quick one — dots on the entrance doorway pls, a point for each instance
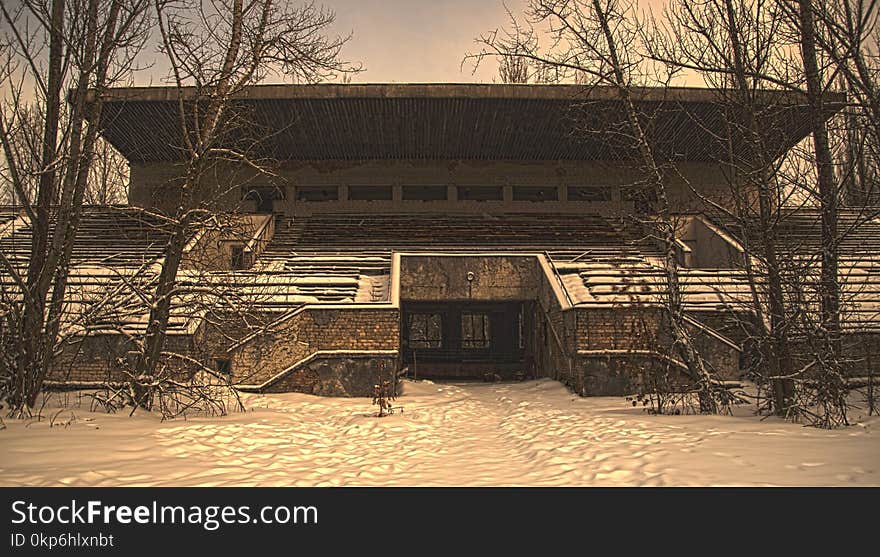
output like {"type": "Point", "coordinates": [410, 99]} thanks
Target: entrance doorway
{"type": "Point", "coordinates": [466, 340]}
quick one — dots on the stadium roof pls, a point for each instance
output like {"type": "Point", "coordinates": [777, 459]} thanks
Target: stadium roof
{"type": "Point", "coordinates": [451, 122]}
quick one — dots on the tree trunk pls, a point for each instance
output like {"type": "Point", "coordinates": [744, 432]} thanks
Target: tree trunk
{"type": "Point", "coordinates": [205, 134]}
{"type": "Point", "coordinates": [39, 275]}
{"type": "Point", "coordinates": [674, 306]}
{"type": "Point", "coordinates": [829, 287]}
{"type": "Point", "coordinates": [777, 350]}
{"type": "Point", "coordinates": [160, 314]}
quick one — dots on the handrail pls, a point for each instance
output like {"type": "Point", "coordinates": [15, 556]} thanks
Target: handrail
{"type": "Point", "coordinates": [560, 345]}
{"type": "Point", "coordinates": [711, 332]}
{"type": "Point", "coordinates": [558, 278]}
{"type": "Point", "coordinates": [258, 234]}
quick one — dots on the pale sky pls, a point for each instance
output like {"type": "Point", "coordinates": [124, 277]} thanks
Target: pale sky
{"type": "Point", "coordinates": [416, 40]}
{"type": "Point", "coordinates": [425, 40]}
{"type": "Point", "coordinates": [419, 40]}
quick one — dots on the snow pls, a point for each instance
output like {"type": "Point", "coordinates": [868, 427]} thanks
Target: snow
{"type": "Point", "coordinates": [533, 433]}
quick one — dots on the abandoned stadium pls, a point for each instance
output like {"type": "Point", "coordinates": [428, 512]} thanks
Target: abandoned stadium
{"type": "Point", "coordinates": [445, 231]}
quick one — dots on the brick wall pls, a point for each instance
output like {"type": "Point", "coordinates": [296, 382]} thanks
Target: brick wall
{"type": "Point", "coordinates": [620, 328]}
{"type": "Point", "coordinates": [312, 330]}
{"type": "Point", "coordinates": [106, 357]}
{"type": "Point", "coordinates": [639, 331]}
{"type": "Point", "coordinates": [722, 359]}
{"type": "Point", "coordinates": [102, 358]}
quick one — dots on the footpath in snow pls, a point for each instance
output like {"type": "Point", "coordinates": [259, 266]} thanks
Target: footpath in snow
{"type": "Point", "coordinates": [533, 433]}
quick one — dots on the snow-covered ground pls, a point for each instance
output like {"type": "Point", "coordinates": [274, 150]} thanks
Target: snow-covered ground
{"type": "Point", "coordinates": [533, 433]}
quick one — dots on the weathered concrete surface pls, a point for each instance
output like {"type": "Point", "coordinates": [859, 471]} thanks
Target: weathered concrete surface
{"type": "Point", "coordinates": [155, 184]}
{"type": "Point", "coordinates": [445, 278]}
{"type": "Point", "coordinates": [347, 375]}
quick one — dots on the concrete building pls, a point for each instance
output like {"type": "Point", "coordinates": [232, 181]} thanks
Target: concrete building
{"type": "Point", "coordinates": [451, 231]}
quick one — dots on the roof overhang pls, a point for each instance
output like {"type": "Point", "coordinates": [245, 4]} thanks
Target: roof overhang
{"type": "Point", "coordinates": [451, 122]}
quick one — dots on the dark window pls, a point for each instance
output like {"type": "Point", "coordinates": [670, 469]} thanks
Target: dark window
{"type": "Point", "coordinates": [237, 258]}
{"type": "Point", "coordinates": [589, 193]}
{"type": "Point", "coordinates": [265, 204]}
{"type": "Point", "coordinates": [535, 193]}
{"type": "Point", "coordinates": [642, 198]}
{"type": "Point", "coordinates": [474, 330]}
{"type": "Point", "coordinates": [223, 366]}
{"type": "Point", "coordinates": [425, 330]}
{"type": "Point", "coordinates": [424, 193]}
{"type": "Point", "coordinates": [317, 193]}
{"type": "Point", "coordinates": [480, 193]}
{"type": "Point", "coordinates": [264, 196]}
{"type": "Point", "coordinates": [369, 193]}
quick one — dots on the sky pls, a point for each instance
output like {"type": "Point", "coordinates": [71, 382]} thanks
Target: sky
{"type": "Point", "coordinates": [419, 40]}
{"type": "Point", "coordinates": [415, 40]}
{"type": "Point", "coordinates": [425, 40]}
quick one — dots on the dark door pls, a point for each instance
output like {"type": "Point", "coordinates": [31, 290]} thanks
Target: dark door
{"type": "Point", "coordinates": [463, 339]}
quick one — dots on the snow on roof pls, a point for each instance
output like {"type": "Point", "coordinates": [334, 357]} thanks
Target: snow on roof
{"type": "Point", "coordinates": [642, 281]}
{"type": "Point", "coordinates": [636, 281]}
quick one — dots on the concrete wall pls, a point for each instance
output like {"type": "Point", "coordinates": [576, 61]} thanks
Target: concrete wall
{"type": "Point", "coordinates": [709, 250]}
{"type": "Point", "coordinates": [212, 248]}
{"type": "Point", "coordinates": [338, 375]}
{"type": "Point", "coordinates": [445, 278]}
{"type": "Point", "coordinates": [158, 186]}
{"type": "Point", "coordinates": [154, 184]}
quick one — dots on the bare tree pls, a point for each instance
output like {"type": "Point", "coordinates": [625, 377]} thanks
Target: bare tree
{"type": "Point", "coordinates": [740, 48]}
{"type": "Point", "coordinates": [844, 42]}
{"type": "Point", "coordinates": [513, 69]}
{"type": "Point", "coordinates": [109, 178]}
{"type": "Point", "coordinates": [215, 52]}
{"type": "Point", "coordinates": [214, 306]}
{"type": "Point", "coordinates": [849, 39]}
{"type": "Point", "coordinates": [829, 194]}
{"type": "Point", "coordinates": [733, 45]}
{"type": "Point", "coordinates": [596, 42]}
{"type": "Point", "coordinates": [54, 45]}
